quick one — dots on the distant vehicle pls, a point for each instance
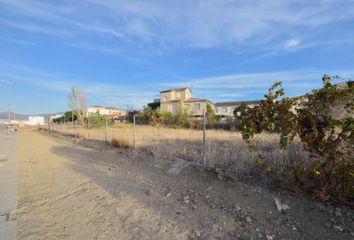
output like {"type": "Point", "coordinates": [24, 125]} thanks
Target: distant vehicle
{"type": "Point", "coordinates": [11, 128]}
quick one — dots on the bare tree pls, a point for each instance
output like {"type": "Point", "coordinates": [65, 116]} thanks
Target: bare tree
{"type": "Point", "coordinates": [77, 103]}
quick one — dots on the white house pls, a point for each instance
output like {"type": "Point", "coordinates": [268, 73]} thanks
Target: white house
{"type": "Point", "coordinates": [35, 120]}
{"type": "Point", "coordinates": [227, 108]}
{"type": "Point", "coordinates": [112, 113]}
{"type": "Point", "coordinates": [98, 109]}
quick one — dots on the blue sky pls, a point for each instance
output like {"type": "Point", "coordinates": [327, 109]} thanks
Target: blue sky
{"type": "Point", "coordinates": [124, 52]}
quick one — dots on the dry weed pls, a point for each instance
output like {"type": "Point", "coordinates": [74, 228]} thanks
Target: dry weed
{"type": "Point", "coordinates": [121, 143]}
{"type": "Point", "coordinates": [225, 150]}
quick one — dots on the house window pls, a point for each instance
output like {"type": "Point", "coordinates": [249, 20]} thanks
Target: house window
{"type": "Point", "coordinates": [178, 94]}
{"type": "Point", "coordinates": [197, 106]}
{"type": "Point", "coordinates": [165, 98]}
{"type": "Point", "coordinates": [169, 107]}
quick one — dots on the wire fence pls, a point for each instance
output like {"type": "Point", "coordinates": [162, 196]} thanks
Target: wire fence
{"type": "Point", "coordinates": [134, 136]}
{"type": "Point", "coordinates": [217, 149]}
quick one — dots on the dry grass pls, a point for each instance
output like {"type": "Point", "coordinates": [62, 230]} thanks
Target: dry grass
{"type": "Point", "coordinates": [225, 150]}
{"type": "Point", "coordinates": [121, 143]}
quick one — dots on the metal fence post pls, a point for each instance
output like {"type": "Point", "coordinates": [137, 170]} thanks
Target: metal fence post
{"type": "Point", "coordinates": [134, 131]}
{"type": "Point", "coordinates": [204, 143]}
{"type": "Point", "coordinates": [75, 128]}
{"type": "Point", "coordinates": [106, 131]}
{"type": "Point", "coordinates": [88, 128]}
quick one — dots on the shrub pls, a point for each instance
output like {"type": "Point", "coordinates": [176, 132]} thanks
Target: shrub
{"type": "Point", "coordinates": [166, 118]}
{"type": "Point", "coordinates": [96, 121]}
{"type": "Point", "coordinates": [148, 115]}
{"type": "Point", "coordinates": [211, 118]}
{"type": "Point", "coordinates": [183, 120]}
{"type": "Point", "coordinates": [325, 133]}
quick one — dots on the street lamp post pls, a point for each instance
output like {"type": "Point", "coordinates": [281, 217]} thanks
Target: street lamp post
{"type": "Point", "coordinates": [9, 100]}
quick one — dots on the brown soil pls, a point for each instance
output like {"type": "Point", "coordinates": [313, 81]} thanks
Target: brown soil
{"type": "Point", "coordinates": [70, 190]}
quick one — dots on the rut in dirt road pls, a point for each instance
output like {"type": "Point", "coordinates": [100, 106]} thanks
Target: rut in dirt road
{"type": "Point", "coordinates": [68, 191]}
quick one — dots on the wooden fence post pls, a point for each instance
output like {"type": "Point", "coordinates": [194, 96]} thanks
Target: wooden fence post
{"type": "Point", "coordinates": [106, 131]}
{"type": "Point", "coordinates": [88, 128]}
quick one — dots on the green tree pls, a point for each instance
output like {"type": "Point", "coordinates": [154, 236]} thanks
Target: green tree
{"type": "Point", "coordinates": [325, 133]}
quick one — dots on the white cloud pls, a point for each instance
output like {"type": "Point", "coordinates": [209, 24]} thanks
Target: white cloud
{"type": "Point", "coordinates": [217, 88]}
{"type": "Point", "coordinates": [152, 25]}
{"type": "Point", "coordinates": [292, 43]}
{"type": "Point", "coordinates": [298, 78]}
{"type": "Point", "coordinates": [247, 86]}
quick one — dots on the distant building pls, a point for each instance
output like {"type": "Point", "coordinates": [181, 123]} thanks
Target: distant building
{"type": "Point", "coordinates": [52, 118]}
{"type": "Point", "coordinates": [35, 120]}
{"type": "Point", "coordinates": [172, 100]}
{"type": "Point", "coordinates": [180, 99]}
{"type": "Point", "coordinates": [196, 106]}
{"type": "Point", "coordinates": [116, 113]}
{"type": "Point", "coordinates": [97, 110]}
{"type": "Point", "coordinates": [155, 105]}
{"type": "Point", "coordinates": [110, 112]}
{"type": "Point", "coordinates": [227, 108]}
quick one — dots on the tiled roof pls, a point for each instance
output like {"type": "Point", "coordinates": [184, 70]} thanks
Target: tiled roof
{"type": "Point", "coordinates": [175, 89]}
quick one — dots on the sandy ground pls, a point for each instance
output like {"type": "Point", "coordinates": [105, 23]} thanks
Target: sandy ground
{"type": "Point", "coordinates": [69, 190]}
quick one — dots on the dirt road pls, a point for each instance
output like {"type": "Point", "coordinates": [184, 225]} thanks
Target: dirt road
{"type": "Point", "coordinates": [69, 191]}
{"type": "Point", "coordinates": [8, 174]}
